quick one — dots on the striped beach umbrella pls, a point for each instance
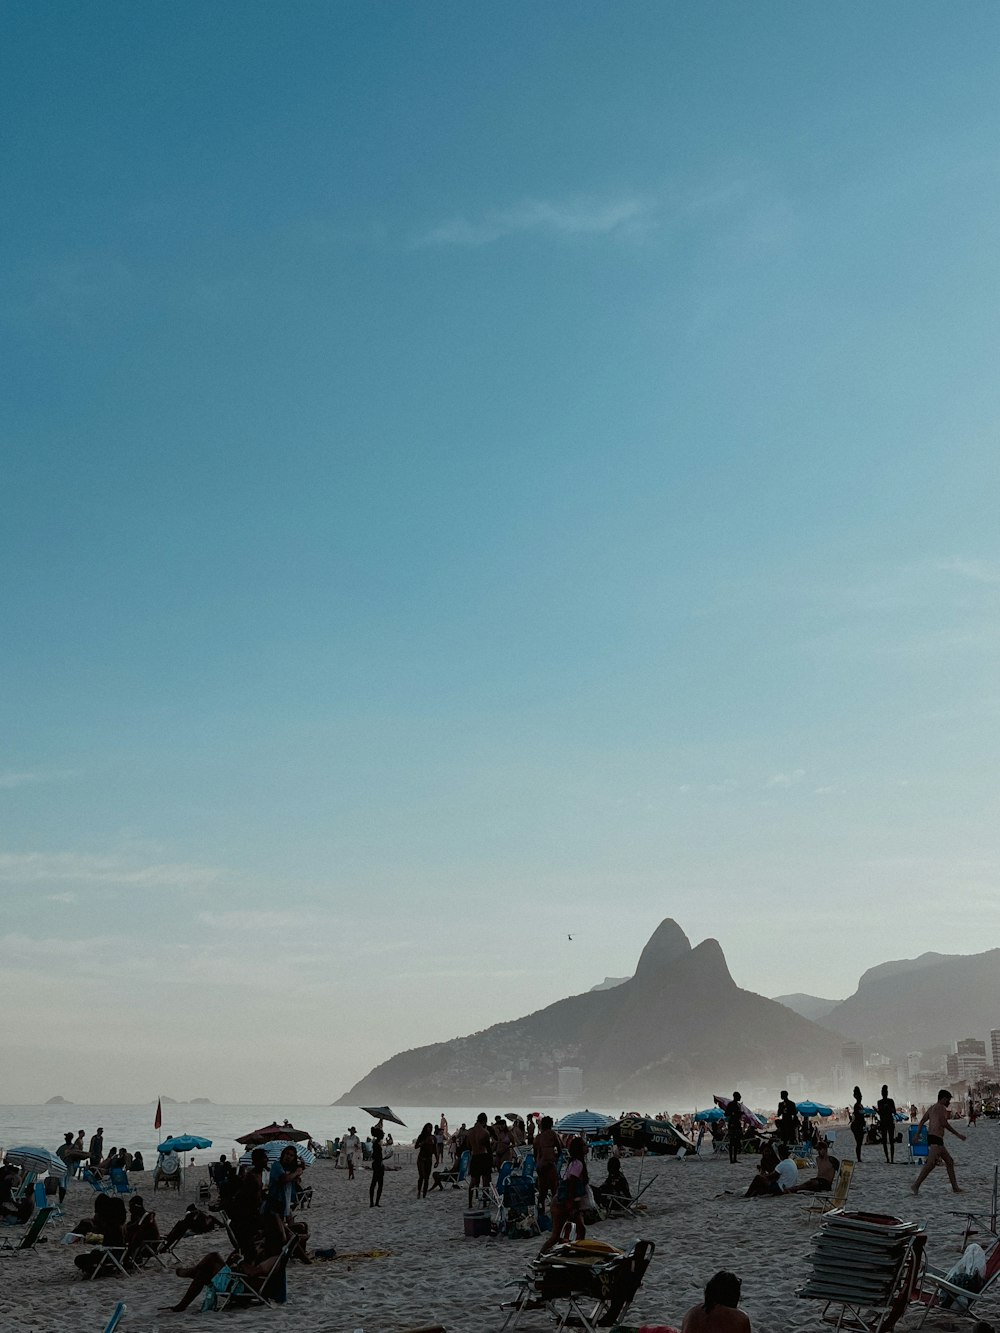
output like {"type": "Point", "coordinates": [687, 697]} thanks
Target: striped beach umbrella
{"type": "Point", "coordinates": [32, 1158]}
{"type": "Point", "coordinates": [274, 1149]}
{"type": "Point", "coordinates": [584, 1122]}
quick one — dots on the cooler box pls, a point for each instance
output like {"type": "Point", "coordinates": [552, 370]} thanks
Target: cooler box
{"type": "Point", "coordinates": [477, 1222]}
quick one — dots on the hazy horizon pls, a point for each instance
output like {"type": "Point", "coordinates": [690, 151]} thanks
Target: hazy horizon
{"type": "Point", "coordinates": [477, 475]}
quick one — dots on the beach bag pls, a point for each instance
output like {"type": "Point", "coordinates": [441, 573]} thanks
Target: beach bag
{"type": "Point", "coordinates": [969, 1272]}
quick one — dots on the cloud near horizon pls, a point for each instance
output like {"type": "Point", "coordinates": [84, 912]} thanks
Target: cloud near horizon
{"type": "Point", "coordinates": [628, 216]}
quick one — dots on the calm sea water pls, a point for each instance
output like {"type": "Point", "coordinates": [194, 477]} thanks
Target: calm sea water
{"type": "Point", "coordinates": [132, 1126]}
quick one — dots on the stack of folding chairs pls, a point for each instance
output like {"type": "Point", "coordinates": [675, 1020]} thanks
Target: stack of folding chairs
{"type": "Point", "coordinates": [866, 1266]}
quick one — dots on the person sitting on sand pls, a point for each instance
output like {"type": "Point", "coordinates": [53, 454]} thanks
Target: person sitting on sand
{"type": "Point", "coordinates": [195, 1222]}
{"type": "Point", "coordinates": [205, 1269]}
{"type": "Point", "coordinates": [719, 1312]}
{"type": "Point", "coordinates": [783, 1179]}
{"type": "Point", "coordinates": [21, 1209]}
{"type": "Point", "coordinates": [108, 1222]}
{"type": "Point", "coordinates": [614, 1188]}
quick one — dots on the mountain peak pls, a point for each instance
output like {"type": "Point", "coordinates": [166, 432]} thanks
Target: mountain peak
{"type": "Point", "coordinates": [667, 945]}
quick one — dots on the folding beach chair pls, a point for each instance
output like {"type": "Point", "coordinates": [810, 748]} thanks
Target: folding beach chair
{"type": "Point", "coordinates": [938, 1292]}
{"type": "Point", "coordinates": [111, 1258]}
{"type": "Point", "coordinates": [303, 1199]}
{"type": "Point", "coordinates": [582, 1287]}
{"type": "Point", "coordinates": [916, 1139]}
{"type": "Point", "coordinates": [96, 1183]}
{"type": "Point", "coordinates": [829, 1203]}
{"type": "Point", "coordinates": [615, 1207]}
{"type": "Point", "coordinates": [25, 1185]}
{"type": "Point", "coordinates": [868, 1264]}
{"type": "Point", "coordinates": [231, 1286]}
{"type": "Point", "coordinates": [117, 1315]}
{"type": "Point", "coordinates": [29, 1238]}
{"type": "Point", "coordinates": [119, 1182]}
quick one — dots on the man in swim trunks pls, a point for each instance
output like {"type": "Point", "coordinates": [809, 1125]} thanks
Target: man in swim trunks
{"type": "Point", "coordinates": [936, 1120]}
{"type": "Point", "coordinates": [548, 1146]}
{"type": "Point", "coordinates": [481, 1155]}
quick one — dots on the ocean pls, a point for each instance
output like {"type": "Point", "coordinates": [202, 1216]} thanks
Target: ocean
{"type": "Point", "coordinates": [131, 1127]}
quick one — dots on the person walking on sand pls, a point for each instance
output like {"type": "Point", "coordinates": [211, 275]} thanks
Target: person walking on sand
{"type": "Point", "coordinates": [886, 1108]}
{"type": "Point", "coordinates": [936, 1120]}
{"type": "Point", "coordinates": [858, 1123]}
{"type": "Point", "coordinates": [734, 1127]}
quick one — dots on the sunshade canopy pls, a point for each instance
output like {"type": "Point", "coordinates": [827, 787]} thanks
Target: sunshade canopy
{"type": "Point", "coordinates": [286, 1132]}
{"type": "Point", "coordinates": [183, 1143]}
{"type": "Point", "coordinates": [29, 1157]}
{"type": "Point", "coordinates": [711, 1113]}
{"type": "Point", "coordinates": [382, 1113]}
{"type": "Point", "coordinates": [813, 1108]}
{"type": "Point", "coordinates": [275, 1147]}
{"type": "Point", "coordinates": [584, 1122]}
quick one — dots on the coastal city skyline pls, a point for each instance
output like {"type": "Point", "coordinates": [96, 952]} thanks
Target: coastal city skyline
{"type": "Point", "coordinates": [481, 480]}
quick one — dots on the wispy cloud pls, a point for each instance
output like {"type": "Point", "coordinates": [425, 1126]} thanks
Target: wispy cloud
{"type": "Point", "coordinates": [627, 216]}
{"type": "Point", "coordinates": [11, 779]}
{"type": "Point", "coordinates": [81, 868]}
{"type": "Point", "coordinates": [976, 571]}
{"type": "Point", "coordinates": [791, 779]}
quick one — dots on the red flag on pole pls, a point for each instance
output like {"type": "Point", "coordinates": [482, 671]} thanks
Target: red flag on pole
{"type": "Point", "coordinates": [159, 1115]}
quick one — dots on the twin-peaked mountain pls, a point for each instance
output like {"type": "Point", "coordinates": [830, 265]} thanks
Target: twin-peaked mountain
{"type": "Point", "coordinates": [678, 1030]}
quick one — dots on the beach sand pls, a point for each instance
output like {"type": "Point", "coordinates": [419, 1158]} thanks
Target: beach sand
{"type": "Point", "coordinates": [435, 1275]}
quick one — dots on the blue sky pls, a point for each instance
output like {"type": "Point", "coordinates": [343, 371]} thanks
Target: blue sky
{"type": "Point", "coordinates": [473, 469]}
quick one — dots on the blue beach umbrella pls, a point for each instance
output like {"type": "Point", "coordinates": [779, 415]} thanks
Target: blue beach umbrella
{"type": "Point", "coordinates": [584, 1122]}
{"type": "Point", "coordinates": [710, 1113]}
{"type": "Point", "coordinates": [813, 1108]}
{"type": "Point", "coordinates": [183, 1143]}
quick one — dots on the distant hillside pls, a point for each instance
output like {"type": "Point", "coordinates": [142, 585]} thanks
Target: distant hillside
{"type": "Point", "coordinates": [808, 1006]}
{"type": "Point", "coordinates": [609, 983]}
{"type": "Point", "coordinates": [679, 1029]}
{"type": "Point", "coordinates": [916, 1003]}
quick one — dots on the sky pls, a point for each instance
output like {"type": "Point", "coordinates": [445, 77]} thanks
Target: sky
{"type": "Point", "coordinates": [474, 474]}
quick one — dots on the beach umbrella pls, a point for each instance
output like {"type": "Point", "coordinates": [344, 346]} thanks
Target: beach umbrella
{"type": "Point", "coordinates": [288, 1133]}
{"type": "Point", "coordinates": [584, 1122]}
{"type": "Point", "coordinates": [382, 1113]}
{"type": "Point", "coordinates": [812, 1108]}
{"type": "Point", "coordinates": [275, 1147]}
{"type": "Point", "coordinates": [711, 1113]}
{"type": "Point", "coordinates": [183, 1143]}
{"type": "Point", "coordinates": [39, 1160]}
{"type": "Point", "coordinates": [748, 1117]}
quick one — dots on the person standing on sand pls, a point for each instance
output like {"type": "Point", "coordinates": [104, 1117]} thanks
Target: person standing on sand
{"type": "Point", "coordinates": [424, 1144]}
{"type": "Point", "coordinates": [97, 1149]}
{"type": "Point", "coordinates": [548, 1146]}
{"type": "Point", "coordinates": [787, 1118]}
{"type": "Point", "coordinates": [936, 1120]}
{"type": "Point", "coordinates": [480, 1155]}
{"type": "Point", "coordinates": [378, 1169]}
{"type": "Point", "coordinates": [734, 1123]}
{"type": "Point", "coordinates": [886, 1108]}
{"type": "Point", "coordinates": [720, 1312]}
{"type": "Point", "coordinates": [858, 1123]}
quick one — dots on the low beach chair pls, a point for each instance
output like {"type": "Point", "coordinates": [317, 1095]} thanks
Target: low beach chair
{"type": "Point", "coordinates": [938, 1292]}
{"type": "Point", "coordinates": [916, 1141]}
{"type": "Point", "coordinates": [29, 1238]}
{"type": "Point", "coordinates": [119, 1182]}
{"type": "Point", "coordinates": [117, 1315]}
{"type": "Point", "coordinates": [828, 1203]}
{"type": "Point", "coordinates": [97, 1183]}
{"type": "Point", "coordinates": [111, 1259]}
{"type": "Point", "coordinates": [229, 1285]}
{"type": "Point", "coordinates": [626, 1207]}
{"type": "Point", "coordinates": [581, 1289]}
{"type": "Point", "coordinates": [25, 1185]}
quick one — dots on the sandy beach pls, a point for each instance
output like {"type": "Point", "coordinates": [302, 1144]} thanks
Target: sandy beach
{"type": "Point", "coordinates": [435, 1275]}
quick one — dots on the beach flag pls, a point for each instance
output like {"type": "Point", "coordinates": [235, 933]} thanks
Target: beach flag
{"type": "Point", "coordinates": [159, 1115]}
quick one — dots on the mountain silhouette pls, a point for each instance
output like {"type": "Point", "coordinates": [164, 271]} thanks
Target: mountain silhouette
{"type": "Point", "coordinates": [678, 1030]}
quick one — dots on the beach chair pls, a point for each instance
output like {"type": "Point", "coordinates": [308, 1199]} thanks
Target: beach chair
{"type": "Point", "coordinates": [111, 1258]}
{"type": "Point", "coordinates": [29, 1238]}
{"type": "Point", "coordinates": [916, 1141]}
{"type": "Point", "coordinates": [231, 1286]}
{"type": "Point", "coordinates": [828, 1203]}
{"type": "Point", "coordinates": [578, 1286]}
{"type": "Point", "coordinates": [626, 1207]}
{"type": "Point", "coordinates": [939, 1292]}
{"type": "Point", "coordinates": [25, 1185]}
{"type": "Point", "coordinates": [117, 1315]}
{"type": "Point", "coordinates": [867, 1264]}
{"type": "Point", "coordinates": [119, 1182]}
{"type": "Point", "coordinates": [96, 1183]}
